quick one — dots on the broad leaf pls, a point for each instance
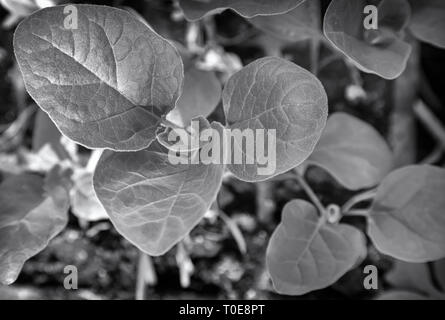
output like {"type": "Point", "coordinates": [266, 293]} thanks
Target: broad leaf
{"type": "Point", "coordinates": [380, 51]}
{"type": "Point", "coordinates": [300, 23]}
{"type": "Point", "coordinates": [275, 94]}
{"type": "Point", "coordinates": [407, 216]}
{"type": "Point", "coordinates": [152, 202]}
{"type": "Point", "coordinates": [428, 21]}
{"type": "Point", "coordinates": [353, 152]}
{"type": "Point", "coordinates": [33, 211]}
{"type": "Point", "coordinates": [200, 96]}
{"type": "Point", "coordinates": [413, 277]}
{"type": "Point", "coordinates": [197, 9]}
{"type": "Point", "coordinates": [305, 253]}
{"type": "Point", "coordinates": [105, 84]}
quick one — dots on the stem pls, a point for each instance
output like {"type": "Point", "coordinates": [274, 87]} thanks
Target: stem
{"type": "Point", "coordinates": [368, 195]}
{"type": "Point", "coordinates": [167, 123]}
{"type": "Point", "coordinates": [140, 279]}
{"type": "Point", "coordinates": [314, 54]}
{"type": "Point", "coordinates": [431, 123]}
{"type": "Point", "coordinates": [311, 194]}
{"type": "Point", "coordinates": [357, 212]}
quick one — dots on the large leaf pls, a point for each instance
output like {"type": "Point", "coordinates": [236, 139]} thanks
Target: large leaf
{"type": "Point", "coordinates": [407, 217]}
{"type": "Point", "coordinates": [275, 94]}
{"type": "Point", "coordinates": [300, 23]}
{"type": "Point", "coordinates": [33, 211]}
{"type": "Point", "coordinates": [197, 9]}
{"type": "Point", "coordinates": [152, 202]}
{"type": "Point", "coordinates": [353, 152]}
{"type": "Point", "coordinates": [105, 84]}
{"type": "Point", "coordinates": [200, 96]}
{"type": "Point", "coordinates": [305, 253]}
{"type": "Point", "coordinates": [428, 21]}
{"type": "Point", "coordinates": [380, 51]}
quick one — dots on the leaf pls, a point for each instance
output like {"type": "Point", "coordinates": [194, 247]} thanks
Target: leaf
{"type": "Point", "coordinates": [275, 94]}
{"type": "Point", "coordinates": [413, 277]}
{"type": "Point", "coordinates": [200, 96]}
{"type": "Point", "coordinates": [401, 295]}
{"type": "Point", "coordinates": [84, 203]}
{"type": "Point", "coordinates": [353, 152]}
{"type": "Point", "coordinates": [407, 216]}
{"type": "Point", "coordinates": [305, 253]}
{"type": "Point", "coordinates": [152, 202]}
{"type": "Point", "coordinates": [381, 51]}
{"type": "Point", "coordinates": [45, 132]}
{"type": "Point", "coordinates": [299, 24]}
{"type": "Point", "coordinates": [34, 211]}
{"type": "Point", "coordinates": [197, 9]}
{"type": "Point", "coordinates": [428, 21]}
{"type": "Point", "coordinates": [105, 84]}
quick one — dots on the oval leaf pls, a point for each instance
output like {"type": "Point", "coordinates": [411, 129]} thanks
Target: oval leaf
{"type": "Point", "coordinates": [407, 217]}
{"type": "Point", "coordinates": [197, 9]}
{"type": "Point", "coordinates": [387, 57]}
{"type": "Point", "coordinates": [152, 202]}
{"type": "Point", "coordinates": [428, 21]}
{"type": "Point", "coordinates": [200, 96]}
{"type": "Point", "coordinates": [32, 213]}
{"type": "Point", "coordinates": [300, 23]}
{"type": "Point", "coordinates": [353, 152]}
{"type": "Point", "coordinates": [306, 254]}
{"type": "Point", "coordinates": [275, 94]}
{"type": "Point", "coordinates": [105, 84]}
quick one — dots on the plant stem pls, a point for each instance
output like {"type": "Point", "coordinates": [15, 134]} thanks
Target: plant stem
{"type": "Point", "coordinates": [140, 279]}
{"type": "Point", "coordinates": [314, 54]}
{"type": "Point", "coordinates": [311, 194]}
{"type": "Point", "coordinates": [357, 212]}
{"type": "Point", "coordinates": [167, 123]}
{"type": "Point", "coordinates": [430, 121]}
{"type": "Point", "coordinates": [367, 195]}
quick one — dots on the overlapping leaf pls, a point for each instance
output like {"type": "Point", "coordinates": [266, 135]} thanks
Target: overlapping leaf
{"type": "Point", "coordinates": [428, 21]}
{"type": "Point", "coordinates": [152, 202]}
{"type": "Point", "coordinates": [306, 254]}
{"type": "Point", "coordinates": [381, 51]}
{"type": "Point", "coordinates": [275, 94]}
{"type": "Point", "coordinates": [197, 9]}
{"type": "Point", "coordinates": [353, 152]}
{"type": "Point", "coordinates": [200, 96]}
{"type": "Point", "coordinates": [105, 84]}
{"type": "Point", "coordinates": [33, 211]}
{"type": "Point", "coordinates": [407, 217]}
{"type": "Point", "coordinates": [300, 23]}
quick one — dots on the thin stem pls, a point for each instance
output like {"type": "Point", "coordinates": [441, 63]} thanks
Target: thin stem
{"type": "Point", "coordinates": [140, 279]}
{"type": "Point", "coordinates": [357, 212]}
{"type": "Point", "coordinates": [430, 121]}
{"type": "Point", "coordinates": [311, 194]}
{"type": "Point", "coordinates": [368, 195]}
{"type": "Point", "coordinates": [314, 54]}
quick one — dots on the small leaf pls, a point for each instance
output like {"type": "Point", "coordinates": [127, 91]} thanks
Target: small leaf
{"type": "Point", "coordinates": [300, 23]}
{"type": "Point", "coordinates": [84, 203]}
{"type": "Point", "coordinates": [407, 216]}
{"type": "Point", "coordinates": [105, 84]}
{"type": "Point", "coordinates": [380, 51]}
{"type": "Point", "coordinates": [200, 96]}
{"type": "Point", "coordinates": [152, 202]}
{"type": "Point", "coordinates": [428, 21]}
{"type": "Point", "coordinates": [197, 9]}
{"type": "Point", "coordinates": [413, 277]}
{"type": "Point", "coordinates": [306, 254]}
{"type": "Point", "coordinates": [353, 152]}
{"type": "Point", "coordinates": [33, 212]}
{"type": "Point", "coordinates": [275, 94]}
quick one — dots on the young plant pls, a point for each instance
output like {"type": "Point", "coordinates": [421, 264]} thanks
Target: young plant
{"type": "Point", "coordinates": [114, 83]}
